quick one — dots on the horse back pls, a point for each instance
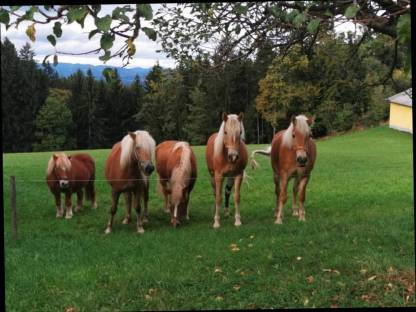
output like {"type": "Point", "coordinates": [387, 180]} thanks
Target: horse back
{"type": "Point", "coordinates": [165, 159]}
{"type": "Point", "coordinates": [83, 164]}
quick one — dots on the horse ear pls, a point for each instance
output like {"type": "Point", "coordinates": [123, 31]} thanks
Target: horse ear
{"type": "Point", "coordinates": [240, 116]}
{"type": "Point", "coordinates": [54, 157]}
{"type": "Point", "coordinates": [224, 116]}
{"type": "Point", "coordinates": [293, 120]}
{"type": "Point", "coordinates": [132, 135]}
{"type": "Point", "coordinates": [311, 120]}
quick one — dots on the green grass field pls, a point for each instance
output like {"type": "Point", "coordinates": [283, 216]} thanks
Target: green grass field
{"type": "Point", "coordinates": [355, 249]}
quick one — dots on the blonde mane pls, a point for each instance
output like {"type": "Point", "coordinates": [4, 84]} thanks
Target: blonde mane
{"type": "Point", "coordinates": [219, 140]}
{"type": "Point", "coordinates": [301, 125]}
{"type": "Point", "coordinates": [143, 140]}
{"type": "Point", "coordinates": [62, 161]}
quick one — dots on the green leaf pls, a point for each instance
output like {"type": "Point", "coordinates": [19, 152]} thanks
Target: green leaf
{"type": "Point", "coordinates": [291, 15]}
{"type": "Point", "coordinates": [313, 25]}
{"type": "Point", "coordinates": [351, 11]}
{"type": "Point", "coordinates": [106, 41]}
{"type": "Point", "coordinates": [92, 33]}
{"type": "Point", "coordinates": [403, 29]}
{"type": "Point", "coordinates": [105, 57]}
{"type": "Point", "coordinates": [150, 32]}
{"type": "Point", "coordinates": [14, 8]}
{"type": "Point", "coordinates": [240, 9]}
{"type": "Point", "coordinates": [299, 19]}
{"type": "Point", "coordinates": [52, 39]}
{"type": "Point", "coordinates": [31, 32]}
{"type": "Point", "coordinates": [55, 60]}
{"type": "Point", "coordinates": [57, 30]}
{"type": "Point", "coordinates": [108, 74]}
{"type": "Point", "coordinates": [103, 24]}
{"type": "Point", "coordinates": [77, 14]}
{"type": "Point", "coordinates": [4, 16]}
{"type": "Point", "coordinates": [145, 10]}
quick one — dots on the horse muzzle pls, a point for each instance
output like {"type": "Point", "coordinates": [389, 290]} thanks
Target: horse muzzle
{"type": "Point", "coordinates": [64, 184]}
{"type": "Point", "coordinates": [233, 156]}
{"type": "Point", "coordinates": [148, 168]}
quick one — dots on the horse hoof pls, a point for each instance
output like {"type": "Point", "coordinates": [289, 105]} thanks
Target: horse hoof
{"type": "Point", "coordinates": [216, 225]}
{"type": "Point", "coordinates": [278, 221]}
{"type": "Point", "coordinates": [237, 223]}
{"type": "Point", "coordinates": [68, 216]}
{"type": "Point", "coordinates": [126, 221]}
{"type": "Point", "coordinates": [226, 213]}
{"type": "Point", "coordinates": [295, 213]}
{"type": "Point", "coordinates": [94, 206]}
{"type": "Point", "coordinates": [59, 214]}
{"type": "Point", "coordinates": [107, 231]}
{"type": "Point", "coordinates": [140, 230]}
{"type": "Point", "coordinates": [302, 219]}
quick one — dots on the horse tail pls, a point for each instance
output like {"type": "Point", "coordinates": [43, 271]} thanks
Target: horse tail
{"type": "Point", "coordinates": [266, 152]}
{"type": "Point", "coordinates": [245, 178]}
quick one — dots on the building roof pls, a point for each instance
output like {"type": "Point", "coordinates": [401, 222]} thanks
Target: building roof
{"type": "Point", "coordinates": [404, 98]}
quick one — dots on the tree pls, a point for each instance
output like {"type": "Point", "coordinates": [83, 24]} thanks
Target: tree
{"type": "Point", "coordinates": [53, 123]}
{"type": "Point", "coordinates": [194, 128]}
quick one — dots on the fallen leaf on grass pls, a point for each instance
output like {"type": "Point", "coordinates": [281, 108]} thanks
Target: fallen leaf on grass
{"type": "Point", "coordinates": [199, 257]}
{"type": "Point", "coordinates": [250, 245]}
{"type": "Point", "coordinates": [219, 298]}
{"type": "Point", "coordinates": [235, 249]}
{"type": "Point", "coordinates": [147, 297]}
{"type": "Point", "coordinates": [236, 287]}
{"type": "Point", "coordinates": [233, 245]}
{"type": "Point", "coordinates": [217, 270]}
{"type": "Point", "coordinates": [252, 236]}
{"type": "Point", "coordinates": [305, 302]}
{"type": "Point", "coordinates": [372, 278]}
{"type": "Point", "coordinates": [298, 258]}
{"type": "Point", "coordinates": [310, 279]}
{"type": "Point", "coordinates": [70, 309]}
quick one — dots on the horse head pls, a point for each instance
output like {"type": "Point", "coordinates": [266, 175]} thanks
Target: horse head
{"type": "Point", "coordinates": [300, 132]}
{"type": "Point", "coordinates": [233, 132]}
{"type": "Point", "coordinates": [61, 169]}
{"type": "Point", "coordinates": [143, 150]}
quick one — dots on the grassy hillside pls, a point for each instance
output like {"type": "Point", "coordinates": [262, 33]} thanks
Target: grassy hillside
{"type": "Point", "coordinates": [356, 247]}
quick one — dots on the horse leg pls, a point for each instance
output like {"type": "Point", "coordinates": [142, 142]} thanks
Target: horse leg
{"type": "Point", "coordinates": [186, 204]}
{"type": "Point", "coordinates": [59, 210]}
{"type": "Point", "coordinates": [80, 195]}
{"type": "Point", "coordinates": [282, 198]}
{"type": "Point", "coordinates": [68, 205]}
{"type": "Point", "coordinates": [218, 188]}
{"type": "Point", "coordinates": [277, 192]}
{"type": "Point", "coordinates": [127, 217]}
{"type": "Point", "coordinates": [146, 201]}
{"type": "Point", "coordinates": [228, 188]}
{"type": "Point", "coordinates": [295, 193]}
{"type": "Point", "coordinates": [302, 195]}
{"type": "Point", "coordinates": [165, 191]}
{"type": "Point", "coordinates": [114, 196]}
{"type": "Point", "coordinates": [137, 207]}
{"type": "Point", "coordinates": [238, 179]}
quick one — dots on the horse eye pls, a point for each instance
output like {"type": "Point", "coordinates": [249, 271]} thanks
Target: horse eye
{"type": "Point", "coordinates": [225, 132]}
{"type": "Point", "coordinates": [293, 135]}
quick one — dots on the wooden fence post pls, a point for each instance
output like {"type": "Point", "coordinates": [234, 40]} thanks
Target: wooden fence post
{"type": "Point", "coordinates": [13, 205]}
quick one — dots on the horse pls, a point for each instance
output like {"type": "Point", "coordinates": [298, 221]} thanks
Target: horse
{"type": "Point", "coordinates": [71, 174]}
{"type": "Point", "coordinates": [127, 170]}
{"type": "Point", "coordinates": [177, 170]}
{"type": "Point", "coordinates": [226, 157]}
{"type": "Point", "coordinates": [293, 154]}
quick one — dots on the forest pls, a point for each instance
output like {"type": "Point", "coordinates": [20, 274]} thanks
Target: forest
{"type": "Point", "coordinates": [342, 79]}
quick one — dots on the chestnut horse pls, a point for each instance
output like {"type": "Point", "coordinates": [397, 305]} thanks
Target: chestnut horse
{"type": "Point", "coordinates": [226, 156]}
{"type": "Point", "coordinates": [176, 167]}
{"type": "Point", "coordinates": [127, 170]}
{"type": "Point", "coordinates": [293, 154]}
{"type": "Point", "coordinates": [71, 174]}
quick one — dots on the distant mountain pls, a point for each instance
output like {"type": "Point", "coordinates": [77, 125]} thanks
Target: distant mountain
{"type": "Point", "coordinates": [126, 74]}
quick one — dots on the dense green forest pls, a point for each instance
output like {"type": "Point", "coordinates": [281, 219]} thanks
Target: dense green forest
{"type": "Point", "coordinates": [339, 80]}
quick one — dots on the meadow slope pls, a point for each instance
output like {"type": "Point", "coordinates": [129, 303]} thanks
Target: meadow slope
{"type": "Point", "coordinates": [355, 249]}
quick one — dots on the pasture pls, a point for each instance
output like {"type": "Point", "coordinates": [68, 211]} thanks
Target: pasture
{"type": "Point", "coordinates": [355, 249]}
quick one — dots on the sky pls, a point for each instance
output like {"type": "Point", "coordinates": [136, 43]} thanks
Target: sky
{"type": "Point", "coordinates": [75, 39]}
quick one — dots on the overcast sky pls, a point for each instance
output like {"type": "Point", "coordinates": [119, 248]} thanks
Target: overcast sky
{"type": "Point", "coordinates": [75, 39]}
